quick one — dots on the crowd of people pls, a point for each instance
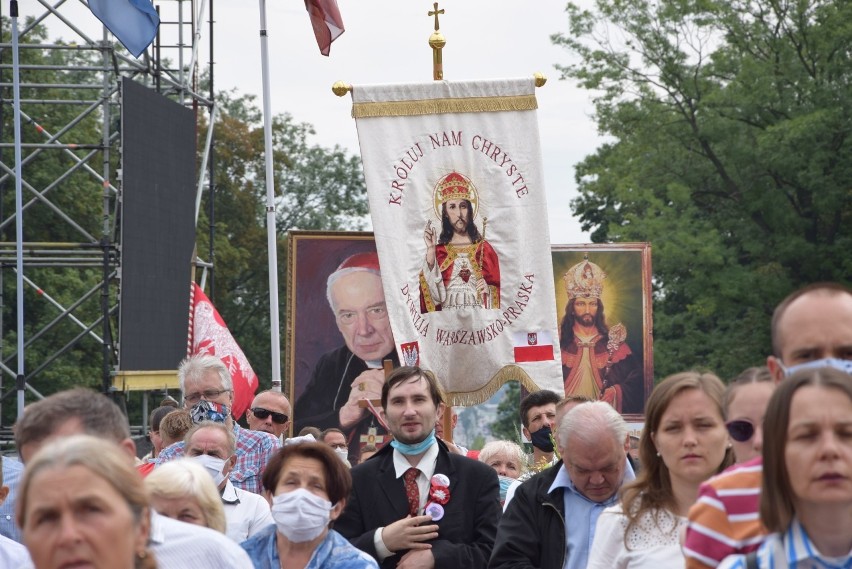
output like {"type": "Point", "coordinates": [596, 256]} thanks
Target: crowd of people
{"type": "Point", "coordinates": [755, 474]}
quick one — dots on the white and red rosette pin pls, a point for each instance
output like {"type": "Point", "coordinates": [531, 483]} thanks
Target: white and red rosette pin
{"type": "Point", "coordinates": [439, 495]}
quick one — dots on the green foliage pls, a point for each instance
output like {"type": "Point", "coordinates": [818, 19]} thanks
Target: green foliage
{"type": "Point", "coordinates": [63, 204]}
{"type": "Point", "coordinates": [507, 424]}
{"type": "Point", "coordinates": [729, 150]}
{"type": "Point", "coordinates": [318, 188]}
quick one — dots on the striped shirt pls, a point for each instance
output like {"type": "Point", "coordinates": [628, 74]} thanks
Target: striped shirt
{"type": "Point", "coordinates": [789, 550]}
{"type": "Point", "coordinates": [725, 519]}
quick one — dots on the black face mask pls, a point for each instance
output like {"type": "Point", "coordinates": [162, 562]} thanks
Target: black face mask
{"type": "Point", "coordinates": [541, 439]}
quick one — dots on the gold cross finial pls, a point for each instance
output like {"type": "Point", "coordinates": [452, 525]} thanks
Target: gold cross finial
{"type": "Point", "coordinates": [435, 13]}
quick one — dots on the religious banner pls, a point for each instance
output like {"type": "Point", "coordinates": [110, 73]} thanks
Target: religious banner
{"type": "Point", "coordinates": [453, 172]}
{"type": "Point", "coordinates": [603, 298]}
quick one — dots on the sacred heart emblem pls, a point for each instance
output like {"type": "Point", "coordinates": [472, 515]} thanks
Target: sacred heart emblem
{"type": "Point", "coordinates": [465, 274]}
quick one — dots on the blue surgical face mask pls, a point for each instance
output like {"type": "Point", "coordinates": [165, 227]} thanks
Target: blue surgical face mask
{"type": "Point", "coordinates": [505, 482]}
{"type": "Point", "coordinates": [417, 448]}
{"type": "Point", "coordinates": [843, 365]}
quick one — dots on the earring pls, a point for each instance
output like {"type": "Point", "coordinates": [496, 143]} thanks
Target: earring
{"type": "Point", "coordinates": [142, 554]}
{"type": "Point", "coordinates": [658, 454]}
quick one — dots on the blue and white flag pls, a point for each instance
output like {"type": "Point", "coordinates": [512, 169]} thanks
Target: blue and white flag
{"type": "Point", "coordinates": [133, 22]}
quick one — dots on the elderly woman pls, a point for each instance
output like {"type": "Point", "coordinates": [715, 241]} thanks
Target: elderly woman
{"type": "Point", "coordinates": [507, 459]}
{"type": "Point", "coordinates": [683, 444]}
{"type": "Point", "coordinates": [307, 486]}
{"type": "Point", "coordinates": [184, 491]}
{"type": "Point", "coordinates": [807, 474]}
{"type": "Point", "coordinates": [81, 503]}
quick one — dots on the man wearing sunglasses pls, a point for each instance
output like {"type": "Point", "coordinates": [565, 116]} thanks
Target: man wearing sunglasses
{"type": "Point", "coordinates": [812, 327]}
{"type": "Point", "coordinates": [270, 413]}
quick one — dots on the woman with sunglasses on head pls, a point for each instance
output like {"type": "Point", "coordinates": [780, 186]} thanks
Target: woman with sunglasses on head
{"type": "Point", "coordinates": [745, 402]}
{"type": "Point", "coordinates": [807, 480]}
{"type": "Point", "coordinates": [745, 405]}
{"type": "Point", "coordinates": [684, 442]}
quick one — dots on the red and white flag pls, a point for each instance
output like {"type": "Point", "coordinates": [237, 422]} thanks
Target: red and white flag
{"type": "Point", "coordinates": [327, 23]}
{"type": "Point", "coordinates": [533, 346]}
{"type": "Point", "coordinates": [210, 335]}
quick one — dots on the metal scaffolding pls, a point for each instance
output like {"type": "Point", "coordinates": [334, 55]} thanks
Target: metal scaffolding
{"type": "Point", "coordinates": [70, 111]}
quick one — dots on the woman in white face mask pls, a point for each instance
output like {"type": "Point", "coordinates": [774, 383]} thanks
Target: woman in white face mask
{"type": "Point", "coordinates": [307, 486]}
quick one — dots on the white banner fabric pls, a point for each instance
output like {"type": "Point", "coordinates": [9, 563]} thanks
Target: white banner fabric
{"type": "Point", "coordinates": [453, 172]}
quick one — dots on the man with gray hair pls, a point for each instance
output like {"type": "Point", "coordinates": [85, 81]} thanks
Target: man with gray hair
{"type": "Point", "coordinates": [213, 445]}
{"type": "Point", "coordinates": [535, 531]}
{"type": "Point", "coordinates": [208, 394]}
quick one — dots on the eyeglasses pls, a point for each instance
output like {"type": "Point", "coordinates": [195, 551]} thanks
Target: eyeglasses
{"type": "Point", "coordinates": [210, 394]}
{"type": "Point", "coordinates": [261, 413]}
{"type": "Point", "coordinates": [741, 431]}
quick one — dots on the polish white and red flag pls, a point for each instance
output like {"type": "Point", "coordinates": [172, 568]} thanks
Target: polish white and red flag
{"type": "Point", "coordinates": [208, 334]}
{"type": "Point", "coordinates": [533, 346]}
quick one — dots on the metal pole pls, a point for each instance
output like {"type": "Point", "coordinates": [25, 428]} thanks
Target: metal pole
{"type": "Point", "coordinates": [19, 213]}
{"type": "Point", "coordinates": [271, 232]}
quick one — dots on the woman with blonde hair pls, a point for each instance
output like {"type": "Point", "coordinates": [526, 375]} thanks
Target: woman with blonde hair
{"type": "Point", "coordinates": [184, 491]}
{"type": "Point", "coordinates": [81, 502]}
{"type": "Point", "coordinates": [684, 443]}
{"type": "Point", "coordinates": [507, 459]}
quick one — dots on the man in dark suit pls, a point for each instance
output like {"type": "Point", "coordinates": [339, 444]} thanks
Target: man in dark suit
{"type": "Point", "coordinates": [385, 513]}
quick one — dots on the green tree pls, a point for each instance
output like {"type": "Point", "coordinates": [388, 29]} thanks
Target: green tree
{"type": "Point", "coordinates": [507, 424]}
{"type": "Point", "coordinates": [66, 210]}
{"type": "Point", "coordinates": [729, 150]}
{"type": "Point", "coordinates": [318, 188]}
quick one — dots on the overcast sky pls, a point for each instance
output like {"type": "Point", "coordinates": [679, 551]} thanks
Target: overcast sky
{"type": "Point", "coordinates": [386, 42]}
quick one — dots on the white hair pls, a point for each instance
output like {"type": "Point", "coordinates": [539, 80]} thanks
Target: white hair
{"type": "Point", "coordinates": [337, 275]}
{"type": "Point", "coordinates": [508, 448]}
{"type": "Point", "coordinates": [589, 421]}
{"type": "Point", "coordinates": [195, 367]}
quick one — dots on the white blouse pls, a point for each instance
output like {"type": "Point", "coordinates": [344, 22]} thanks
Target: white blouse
{"type": "Point", "coordinates": [653, 542]}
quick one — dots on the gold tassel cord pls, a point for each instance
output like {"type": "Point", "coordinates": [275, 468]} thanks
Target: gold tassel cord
{"type": "Point", "coordinates": [483, 394]}
{"type": "Point", "coordinates": [444, 106]}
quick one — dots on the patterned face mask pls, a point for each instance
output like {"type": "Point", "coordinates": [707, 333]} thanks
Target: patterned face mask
{"type": "Point", "coordinates": [209, 411]}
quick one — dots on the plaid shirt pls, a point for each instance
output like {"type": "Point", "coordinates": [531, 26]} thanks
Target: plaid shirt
{"type": "Point", "coordinates": [254, 449]}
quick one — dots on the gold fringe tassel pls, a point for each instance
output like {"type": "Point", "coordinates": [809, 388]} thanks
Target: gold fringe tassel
{"type": "Point", "coordinates": [444, 106]}
{"type": "Point", "coordinates": [506, 374]}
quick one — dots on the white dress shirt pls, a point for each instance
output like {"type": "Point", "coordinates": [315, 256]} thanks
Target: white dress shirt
{"type": "Point", "coordinates": [246, 512]}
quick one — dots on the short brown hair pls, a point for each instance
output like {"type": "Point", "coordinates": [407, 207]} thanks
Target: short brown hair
{"type": "Point", "coordinates": [404, 373]}
{"type": "Point", "coordinates": [777, 502]}
{"type": "Point", "coordinates": [824, 289]}
{"type": "Point", "coordinates": [98, 416]}
{"type": "Point", "coordinates": [175, 425]}
{"type": "Point", "coordinates": [338, 481]}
